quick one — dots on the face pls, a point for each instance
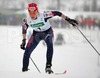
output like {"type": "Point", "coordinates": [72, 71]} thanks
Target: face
{"type": "Point", "coordinates": [33, 14]}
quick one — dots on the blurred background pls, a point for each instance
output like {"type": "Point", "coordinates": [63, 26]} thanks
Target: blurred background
{"type": "Point", "coordinates": [85, 11]}
{"type": "Point", "coordinates": [71, 50]}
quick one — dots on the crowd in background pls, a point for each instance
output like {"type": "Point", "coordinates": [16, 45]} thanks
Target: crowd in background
{"type": "Point", "coordinates": [9, 18]}
{"type": "Point", "coordinates": [56, 23]}
{"type": "Point", "coordinates": [89, 22]}
{"type": "Point", "coordinates": [14, 19]}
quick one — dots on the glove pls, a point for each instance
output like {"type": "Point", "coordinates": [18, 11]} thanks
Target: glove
{"type": "Point", "coordinates": [22, 46]}
{"type": "Point", "coordinates": [72, 21]}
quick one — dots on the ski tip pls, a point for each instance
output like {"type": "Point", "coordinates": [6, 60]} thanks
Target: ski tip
{"type": "Point", "coordinates": [61, 73]}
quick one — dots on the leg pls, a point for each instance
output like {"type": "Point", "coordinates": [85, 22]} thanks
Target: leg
{"type": "Point", "coordinates": [32, 43]}
{"type": "Point", "coordinates": [49, 41]}
{"type": "Point", "coordinates": [49, 50]}
{"type": "Point", "coordinates": [49, 54]}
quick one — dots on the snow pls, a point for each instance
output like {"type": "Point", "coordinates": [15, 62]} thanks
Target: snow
{"type": "Point", "coordinates": [76, 56]}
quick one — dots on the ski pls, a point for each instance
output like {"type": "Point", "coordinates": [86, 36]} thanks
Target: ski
{"type": "Point", "coordinates": [60, 73]}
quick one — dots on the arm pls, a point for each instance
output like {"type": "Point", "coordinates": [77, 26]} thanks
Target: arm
{"type": "Point", "coordinates": [24, 28]}
{"type": "Point", "coordinates": [51, 14]}
{"type": "Point", "coordinates": [63, 16]}
{"type": "Point", "coordinates": [24, 31]}
{"type": "Point", "coordinates": [24, 36]}
{"type": "Point", "coordinates": [71, 21]}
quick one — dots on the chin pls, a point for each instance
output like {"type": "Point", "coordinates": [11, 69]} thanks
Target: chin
{"type": "Point", "coordinates": [33, 17]}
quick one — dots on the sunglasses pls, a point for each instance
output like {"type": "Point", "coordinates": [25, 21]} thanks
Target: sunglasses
{"type": "Point", "coordinates": [32, 9]}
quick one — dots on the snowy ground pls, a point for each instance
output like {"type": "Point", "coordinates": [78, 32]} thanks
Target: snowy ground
{"type": "Point", "coordinates": [76, 56]}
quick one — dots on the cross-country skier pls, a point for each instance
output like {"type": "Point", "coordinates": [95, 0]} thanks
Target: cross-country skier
{"type": "Point", "coordinates": [42, 30]}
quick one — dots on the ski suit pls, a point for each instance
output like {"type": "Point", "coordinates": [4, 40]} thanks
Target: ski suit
{"type": "Point", "coordinates": [42, 30]}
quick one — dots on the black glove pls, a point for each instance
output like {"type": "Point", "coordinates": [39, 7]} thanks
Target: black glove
{"type": "Point", "coordinates": [22, 46]}
{"type": "Point", "coordinates": [72, 21]}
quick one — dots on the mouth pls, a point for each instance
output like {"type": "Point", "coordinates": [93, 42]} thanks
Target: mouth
{"type": "Point", "coordinates": [33, 17]}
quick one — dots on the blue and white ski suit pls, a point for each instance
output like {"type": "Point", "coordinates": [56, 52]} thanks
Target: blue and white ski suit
{"type": "Point", "coordinates": [42, 30]}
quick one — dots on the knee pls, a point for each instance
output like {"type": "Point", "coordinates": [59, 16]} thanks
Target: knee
{"type": "Point", "coordinates": [27, 53]}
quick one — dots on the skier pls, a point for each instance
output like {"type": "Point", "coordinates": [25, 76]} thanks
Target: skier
{"type": "Point", "coordinates": [42, 30]}
{"type": "Point", "coordinates": [60, 39]}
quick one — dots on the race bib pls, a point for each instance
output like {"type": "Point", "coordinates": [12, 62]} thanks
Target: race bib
{"type": "Point", "coordinates": [40, 24]}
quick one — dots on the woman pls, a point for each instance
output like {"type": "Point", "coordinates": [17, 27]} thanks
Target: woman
{"type": "Point", "coordinates": [42, 30]}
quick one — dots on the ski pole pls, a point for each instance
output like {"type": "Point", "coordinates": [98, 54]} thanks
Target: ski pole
{"type": "Point", "coordinates": [35, 65]}
{"type": "Point", "coordinates": [89, 42]}
{"type": "Point", "coordinates": [98, 62]}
